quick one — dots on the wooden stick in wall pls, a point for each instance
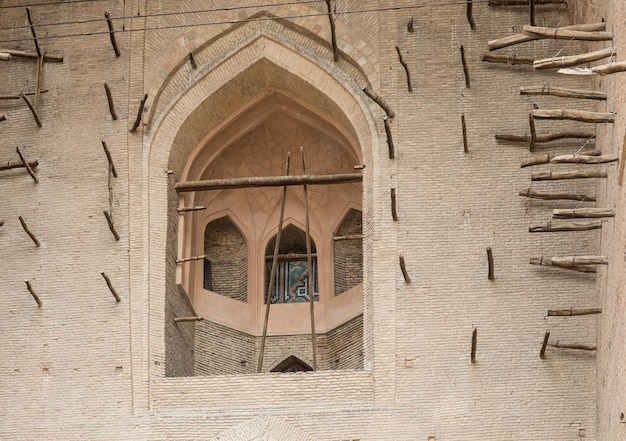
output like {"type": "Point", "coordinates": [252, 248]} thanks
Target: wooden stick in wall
{"type": "Point", "coordinates": [464, 128]}
{"type": "Point", "coordinates": [32, 292]}
{"type": "Point", "coordinates": [109, 158]}
{"type": "Point", "coordinates": [107, 89]}
{"type": "Point", "coordinates": [394, 211]}
{"type": "Point", "coordinates": [578, 346]}
{"type": "Point", "coordinates": [567, 34]}
{"type": "Point", "coordinates": [522, 38]}
{"type": "Point", "coordinates": [38, 82]}
{"type": "Point", "coordinates": [195, 318]}
{"type": "Point", "coordinates": [547, 262]}
{"type": "Point", "coordinates": [569, 261]}
{"type": "Point", "coordinates": [26, 165]}
{"type": "Point", "coordinates": [533, 134]}
{"type": "Point", "coordinates": [474, 341]}
{"type": "Point", "coordinates": [552, 176]}
{"type": "Point", "coordinates": [552, 158]}
{"type": "Point", "coordinates": [545, 138]}
{"type": "Point", "coordinates": [32, 30]}
{"type": "Point", "coordinates": [546, 337]}
{"type": "Point", "coordinates": [470, 16]}
{"type": "Point", "coordinates": [549, 196]}
{"type": "Point", "coordinates": [110, 285]}
{"type": "Point", "coordinates": [349, 237]}
{"type": "Point", "coordinates": [11, 165]}
{"type": "Point", "coordinates": [410, 26]}
{"type": "Point", "coordinates": [333, 35]}
{"type": "Point", "coordinates": [139, 113]}
{"type": "Point", "coordinates": [190, 259]}
{"type": "Point", "coordinates": [32, 110]}
{"type": "Point", "coordinates": [192, 61]}
{"type": "Point", "coordinates": [270, 289]}
{"type": "Point", "coordinates": [573, 312]}
{"type": "Point", "coordinates": [507, 59]}
{"type": "Point", "coordinates": [111, 226]}
{"type": "Point", "coordinates": [27, 230]}
{"type": "Point", "coordinates": [465, 68]}
{"type": "Point", "coordinates": [378, 100]}
{"type": "Point", "coordinates": [194, 208]}
{"type": "Point", "coordinates": [573, 60]}
{"type": "Point", "coordinates": [491, 273]}
{"type": "Point", "coordinates": [392, 153]}
{"type": "Point", "coordinates": [574, 115]}
{"type": "Point", "coordinates": [525, 2]}
{"type": "Point", "coordinates": [23, 54]}
{"type": "Point", "coordinates": [565, 226]}
{"type": "Point", "coordinates": [406, 69]}
{"type": "Point", "coordinates": [532, 12]}
{"type": "Point", "coordinates": [571, 213]}
{"type": "Point", "coordinates": [405, 273]}
{"type": "Point", "coordinates": [620, 173]}
{"type": "Point", "coordinates": [112, 34]}
{"type": "Point", "coordinates": [607, 69]}
{"type": "Point", "coordinates": [309, 261]}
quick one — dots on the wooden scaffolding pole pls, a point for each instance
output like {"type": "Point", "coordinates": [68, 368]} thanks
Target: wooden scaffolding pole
{"type": "Point", "coordinates": [522, 38]}
{"type": "Point", "coordinates": [309, 262]}
{"type": "Point", "coordinates": [574, 115]}
{"type": "Point", "coordinates": [573, 312]}
{"type": "Point", "coordinates": [551, 158]}
{"type": "Point", "coordinates": [548, 196]}
{"type": "Point", "coordinates": [545, 138]}
{"type": "Point", "coordinates": [565, 226]}
{"type": "Point", "coordinates": [569, 261]}
{"type": "Point", "coordinates": [268, 297]}
{"type": "Point", "coordinates": [571, 213]}
{"type": "Point", "coordinates": [563, 92]}
{"type": "Point", "coordinates": [573, 60]}
{"type": "Point", "coordinates": [552, 176]}
{"type": "Point", "coordinates": [266, 181]}
{"type": "Point", "coordinates": [567, 34]}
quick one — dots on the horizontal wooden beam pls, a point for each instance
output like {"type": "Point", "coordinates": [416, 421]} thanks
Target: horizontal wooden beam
{"type": "Point", "coordinates": [578, 346]}
{"type": "Point", "coordinates": [546, 261]}
{"type": "Point", "coordinates": [33, 55]}
{"type": "Point", "coordinates": [573, 60]}
{"type": "Point", "coordinates": [195, 318]}
{"type": "Point", "coordinates": [566, 34]}
{"type": "Point", "coordinates": [549, 196]}
{"type": "Point", "coordinates": [574, 115]}
{"type": "Point", "coordinates": [525, 2]}
{"type": "Point", "coordinates": [522, 38]}
{"type": "Point", "coordinates": [569, 261]}
{"type": "Point", "coordinates": [573, 312]}
{"type": "Point", "coordinates": [552, 158]}
{"type": "Point", "coordinates": [507, 59]}
{"type": "Point", "coordinates": [565, 226]}
{"type": "Point", "coordinates": [578, 174]}
{"type": "Point", "coordinates": [545, 138]}
{"type": "Point", "coordinates": [266, 181]}
{"type": "Point", "coordinates": [571, 213]}
{"type": "Point", "coordinates": [17, 164]}
{"type": "Point", "coordinates": [562, 92]}
{"type": "Point", "coordinates": [291, 256]}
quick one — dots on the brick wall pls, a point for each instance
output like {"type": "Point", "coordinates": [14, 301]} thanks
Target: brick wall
{"type": "Point", "coordinates": [348, 254]}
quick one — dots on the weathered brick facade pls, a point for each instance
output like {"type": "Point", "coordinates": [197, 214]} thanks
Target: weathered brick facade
{"type": "Point", "coordinates": [83, 366]}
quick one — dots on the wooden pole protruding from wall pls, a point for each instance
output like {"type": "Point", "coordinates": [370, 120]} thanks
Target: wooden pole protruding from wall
{"type": "Point", "coordinates": [32, 110]}
{"type": "Point", "coordinates": [573, 312]}
{"type": "Point", "coordinates": [349, 237]}
{"type": "Point", "coordinates": [573, 60]}
{"type": "Point", "coordinates": [333, 35]}
{"type": "Point", "coordinates": [107, 215]}
{"type": "Point", "coordinates": [567, 34]}
{"type": "Point", "coordinates": [571, 213]}
{"type": "Point", "coordinates": [507, 59]}
{"type": "Point", "coordinates": [109, 159]}
{"type": "Point", "coordinates": [584, 158]}
{"type": "Point", "coordinates": [309, 261]}
{"type": "Point", "coordinates": [194, 318]}
{"type": "Point", "coordinates": [565, 226]}
{"type": "Point", "coordinates": [533, 133]}
{"type": "Point", "coordinates": [578, 346]}
{"type": "Point", "coordinates": [555, 176]}
{"type": "Point", "coordinates": [547, 261]}
{"type": "Point", "coordinates": [188, 209]}
{"type": "Point", "coordinates": [549, 196]}
{"type": "Point", "coordinates": [190, 259]}
{"type": "Point", "coordinates": [532, 12]}
{"type": "Point", "coordinates": [192, 61]}
{"type": "Point", "coordinates": [394, 210]}
{"type": "Point", "coordinates": [392, 153]}
{"type": "Point", "coordinates": [112, 34]}
{"type": "Point", "coordinates": [491, 273]}
{"type": "Point", "coordinates": [546, 337]}
{"type": "Point", "coordinates": [563, 92]}
{"type": "Point", "coordinates": [9, 165]}
{"type": "Point", "coordinates": [470, 15]}
{"type": "Point", "coordinates": [525, 2]}
{"type": "Point", "coordinates": [32, 292]}
{"type": "Point", "coordinates": [110, 285]}
{"type": "Point", "coordinates": [406, 69]}
{"type": "Point", "coordinates": [27, 230]}
{"type": "Point", "coordinates": [511, 40]}
{"type": "Point", "coordinates": [107, 90]}
{"type": "Point", "coordinates": [139, 113]}
{"type": "Point", "coordinates": [569, 261]}
{"type": "Point", "coordinates": [465, 67]}
{"type": "Point", "coordinates": [32, 30]}
{"type": "Point", "coordinates": [26, 165]}
{"type": "Point", "coordinates": [410, 26]}
{"type": "Point", "coordinates": [378, 100]}
{"type": "Point", "coordinates": [38, 82]}
{"type": "Point", "coordinates": [474, 342]}
{"type": "Point", "coordinates": [23, 54]}
{"type": "Point", "coordinates": [620, 173]}
{"type": "Point", "coordinates": [405, 273]}
{"type": "Point", "coordinates": [464, 128]}
{"type": "Point", "coordinates": [545, 138]}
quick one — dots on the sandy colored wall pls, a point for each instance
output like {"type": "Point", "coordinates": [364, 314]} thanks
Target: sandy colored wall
{"type": "Point", "coordinates": [85, 367]}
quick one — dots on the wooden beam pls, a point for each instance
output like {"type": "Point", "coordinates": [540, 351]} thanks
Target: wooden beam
{"type": "Point", "coordinates": [465, 67]}
{"type": "Point", "coordinates": [573, 60]}
{"type": "Point", "coordinates": [378, 100]}
{"type": "Point", "coordinates": [11, 165]}
{"type": "Point", "coordinates": [266, 181]}
{"type": "Point", "coordinates": [309, 261]}
{"type": "Point", "coordinates": [107, 215]}
{"type": "Point", "coordinates": [109, 159]}
{"type": "Point", "coordinates": [577, 346]}
{"type": "Point", "coordinates": [474, 341]}
{"type": "Point", "coordinates": [406, 69]}
{"type": "Point", "coordinates": [567, 34]}
{"type": "Point", "coordinates": [547, 262]}
{"type": "Point", "coordinates": [552, 176]}
{"type": "Point", "coordinates": [107, 90]}
{"type": "Point", "coordinates": [32, 30]}
{"type": "Point", "coordinates": [525, 2]}
{"type": "Point", "coordinates": [33, 293]}
{"type": "Point", "coordinates": [27, 230]}
{"type": "Point", "coordinates": [552, 158]}
{"type": "Point", "coordinates": [112, 34]}
{"type": "Point", "coordinates": [110, 285]}
{"type": "Point", "coordinates": [27, 166]}
{"type": "Point", "coordinates": [546, 337]}
{"type": "Point", "coordinates": [139, 113]}
{"type": "Point", "coordinates": [194, 208]}
{"type": "Point", "coordinates": [189, 259]}
{"type": "Point", "coordinates": [470, 15]}
{"type": "Point", "coordinates": [574, 115]}
{"type": "Point", "coordinates": [195, 318]}
{"type": "Point", "coordinates": [192, 61]}
{"type": "Point", "coordinates": [563, 92]}
{"type": "Point", "coordinates": [23, 54]}
{"type": "Point", "coordinates": [394, 210]}
{"type": "Point", "coordinates": [573, 312]}
{"type": "Point", "coordinates": [333, 36]}
{"type": "Point", "coordinates": [569, 261]}
{"type": "Point", "coordinates": [607, 69]}
{"type": "Point", "coordinates": [507, 59]}
{"type": "Point", "coordinates": [390, 146]}
{"type": "Point", "coordinates": [571, 213]}
{"type": "Point", "coordinates": [491, 273]}
{"type": "Point", "coordinates": [532, 12]}
{"type": "Point", "coordinates": [291, 256]}
{"type": "Point", "coordinates": [32, 110]}
{"type": "Point", "coordinates": [545, 138]}
{"type": "Point", "coordinates": [464, 129]}
{"type": "Point", "coordinates": [349, 237]}
{"type": "Point", "coordinates": [38, 82]}
{"type": "Point", "coordinates": [548, 196]}
{"type": "Point", "coordinates": [405, 273]}
{"type": "Point", "coordinates": [565, 226]}
{"type": "Point", "coordinates": [522, 38]}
